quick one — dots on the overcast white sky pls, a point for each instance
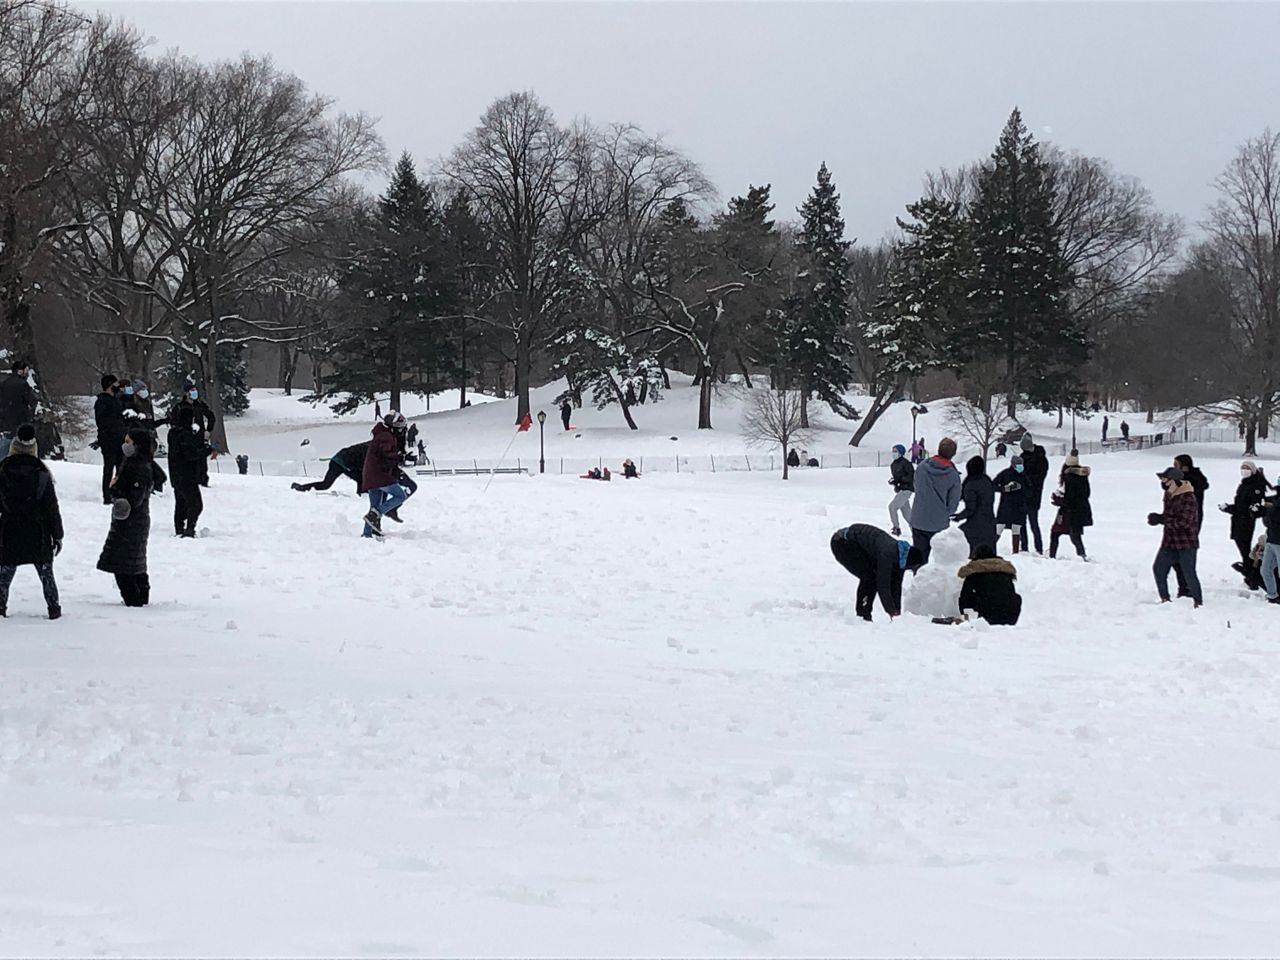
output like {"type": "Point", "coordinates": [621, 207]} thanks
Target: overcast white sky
{"type": "Point", "coordinates": [762, 92]}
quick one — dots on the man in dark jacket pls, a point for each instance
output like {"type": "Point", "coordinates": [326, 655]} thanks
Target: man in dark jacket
{"type": "Point", "coordinates": [203, 417]}
{"type": "Point", "coordinates": [902, 477]}
{"type": "Point", "coordinates": [380, 473]}
{"type": "Point", "coordinates": [1181, 538]}
{"type": "Point", "coordinates": [879, 562]}
{"type": "Point", "coordinates": [978, 517]}
{"type": "Point", "coordinates": [347, 462]}
{"type": "Point", "coordinates": [1035, 464]}
{"type": "Point", "coordinates": [108, 415]}
{"type": "Point", "coordinates": [989, 589]}
{"type": "Point", "coordinates": [1199, 484]}
{"type": "Point", "coordinates": [566, 414]}
{"type": "Point", "coordinates": [18, 402]}
{"type": "Point", "coordinates": [30, 522]}
{"type": "Point", "coordinates": [1244, 511]}
{"type": "Point", "coordinates": [937, 492]}
{"type": "Point", "coordinates": [188, 452]}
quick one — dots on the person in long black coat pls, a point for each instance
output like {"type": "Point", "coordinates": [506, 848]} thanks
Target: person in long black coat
{"type": "Point", "coordinates": [879, 562]}
{"type": "Point", "coordinates": [30, 522]}
{"type": "Point", "coordinates": [1075, 512]}
{"type": "Point", "coordinates": [188, 452]}
{"type": "Point", "coordinates": [977, 518]}
{"type": "Point", "coordinates": [125, 552]}
{"type": "Point", "coordinates": [1012, 485]}
{"type": "Point", "coordinates": [989, 589]}
{"type": "Point", "coordinates": [108, 415]}
{"type": "Point", "coordinates": [1244, 511]}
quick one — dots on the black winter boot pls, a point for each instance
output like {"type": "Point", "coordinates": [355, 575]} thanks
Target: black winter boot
{"type": "Point", "coordinates": [55, 613]}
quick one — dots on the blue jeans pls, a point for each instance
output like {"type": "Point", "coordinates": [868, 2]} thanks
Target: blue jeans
{"type": "Point", "coordinates": [383, 500]}
{"type": "Point", "coordinates": [1270, 566]}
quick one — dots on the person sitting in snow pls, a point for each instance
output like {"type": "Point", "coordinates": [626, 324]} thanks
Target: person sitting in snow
{"type": "Point", "coordinates": [989, 590]}
{"type": "Point", "coordinates": [793, 458]}
{"type": "Point", "coordinates": [879, 562]}
{"type": "Point", "coordinates": [629, 471]}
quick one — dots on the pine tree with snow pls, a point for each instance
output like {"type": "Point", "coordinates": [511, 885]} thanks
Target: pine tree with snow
{"type": "Point", "coordinates": [396, 339]}
{"type": "Point", "coordinates": [814, 350]}
{"type": "Point", "coordinates": [1023, 280]}
{"type": "Point", "coordinates": [233, 379]}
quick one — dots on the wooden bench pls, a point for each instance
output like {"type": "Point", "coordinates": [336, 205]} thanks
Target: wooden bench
{"type": "Point", "coordinates": [468, 471]}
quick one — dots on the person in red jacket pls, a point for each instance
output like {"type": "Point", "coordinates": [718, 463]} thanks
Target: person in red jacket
{"type": "Point", "coordinates": [1181, 541]}
{"type": "Point", "coordinates": [381, 471]}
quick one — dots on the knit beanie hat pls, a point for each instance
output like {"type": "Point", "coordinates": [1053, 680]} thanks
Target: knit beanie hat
{"type": "Point", "coordinates": [1016, 461]}
{"type": "Point", "coordinates": [1250, 466]}
{"type": "Point", "coordinates": [1072, 461]}
{"type": "Point", "coordinates": [25, 441]}
{"type": "Point", "coordinates": [1028, 443]}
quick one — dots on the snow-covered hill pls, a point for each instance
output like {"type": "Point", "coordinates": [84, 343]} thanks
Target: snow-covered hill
{"type": "Point", "coordinates": [560, 717]}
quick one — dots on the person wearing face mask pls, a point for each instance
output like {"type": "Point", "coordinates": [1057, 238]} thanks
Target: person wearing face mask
{"type": "Point", "coordinates": [978, 517]}
{"type": "Point", "coordinates": [188, 452]}
{"type": "Point", "coordinates": [1011, 482]}
{"type": "Point", "coordinates": [1244, 511]}
{"type": "Point", "coordinates": [1181, 541]}
{"type": "Point", "coordinates": [1074, 510]}
{"type": "Point", "coordinates": [108, 414]}
{"type": "Point", "coordinates": [139, 411]}
{"type": "Point", "coordinates": [125, 553]}
{"type": "Point", "coordinates": [202, 417]}
{"type": "Point", "coordinates": [1036, 474]}
{"type": "Point", "coordinates": [902, 477]}
{"type": "Point", "coordinates": [1199, 484]}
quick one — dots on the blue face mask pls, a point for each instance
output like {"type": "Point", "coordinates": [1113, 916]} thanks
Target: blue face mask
{"type": "Point", "coordinates": [194, 394]}
{"type": "Point", "coordinates": [1018, 468]}
{"type": "Point", "coordinates": [128, 391]}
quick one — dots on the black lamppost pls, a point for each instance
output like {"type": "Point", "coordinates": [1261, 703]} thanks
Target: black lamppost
{"type": "Point", "coordinates": [542, 441]}
{"type": "Point", "coordinates": [917, 410]}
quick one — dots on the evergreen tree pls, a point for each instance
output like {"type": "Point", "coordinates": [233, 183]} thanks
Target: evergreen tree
{"type": "Point", "coordinates": [814, 348]}
{"type": "Point", "coordinates": [396, 338]}
{"type": "Point", "coordinates": [748, 249]}
{"type": "Point", "coordinates": [1022, 276]}
{"type": "Point", "coordinates": [233, 379]}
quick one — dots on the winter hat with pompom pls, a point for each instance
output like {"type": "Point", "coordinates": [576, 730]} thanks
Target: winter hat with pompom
{"type": "Point", "coordinates": [25, 441]}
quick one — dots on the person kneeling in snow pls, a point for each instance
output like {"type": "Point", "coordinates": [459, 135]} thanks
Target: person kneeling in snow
{"type": "Point", "coordinates": [989, 589]}
{"type": "Point", "coordinates": [879, 562]}
{"type": "Point", "coordinates": [629, 471]}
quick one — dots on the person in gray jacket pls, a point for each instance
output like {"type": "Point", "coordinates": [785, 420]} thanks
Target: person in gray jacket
{"type": "Point", "coordinates": [937, 497]}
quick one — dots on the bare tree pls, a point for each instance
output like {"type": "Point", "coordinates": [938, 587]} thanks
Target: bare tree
{"type": "Point", "coordinates": [981, 416]}
{"type": "Point", "coordinates": [524, 177]}
{"type": "Point", "coordinates": [774, 418]}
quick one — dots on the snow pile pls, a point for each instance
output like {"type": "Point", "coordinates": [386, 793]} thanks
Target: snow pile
{"type": "Point", "coordinates": [935, 590]}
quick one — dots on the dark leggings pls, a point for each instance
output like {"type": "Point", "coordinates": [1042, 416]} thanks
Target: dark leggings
{"type": "Point", "coordinates": [188, 504]}
{"type": "Point", "coordinates": [331, 475]}
{"type": "Point", "coordinates": [111, 457]}
{"type": "Point", "coordinates": [44, 570]}
{"type": "Point", "coordinates": [1077, 541]}
{"type": "Point", "coordinates": [135, 589]}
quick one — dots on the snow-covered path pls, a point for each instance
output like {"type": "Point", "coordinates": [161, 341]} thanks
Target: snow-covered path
{"type": "Point", "coordinates": [563, 717]}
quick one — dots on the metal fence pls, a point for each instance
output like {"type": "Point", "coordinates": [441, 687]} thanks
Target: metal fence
{"type": "Point", "coordinates": [724, 463]}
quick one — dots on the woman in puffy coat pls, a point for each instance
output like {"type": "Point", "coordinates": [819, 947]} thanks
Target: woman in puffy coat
{"type": "Point", "coordinates": [1074, 510]}
{"type": "Point", "coordinates": [1012, 514]}
{"type": "Point", "coordinates": [1244, 511]}
{"type": "Point", "coordinates": [977, 518]}
{"type": "Point", "coordinates": [125, 552]}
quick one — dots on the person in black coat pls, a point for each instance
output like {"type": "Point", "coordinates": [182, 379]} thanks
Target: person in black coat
{"type": "Point", "coordinates": [879, 562]}
{"type": "Point", "coordinates": [200, 415]}
{"type": "Point", "coordinates": [125, 552]}
{"type": "Point", "coordinates": [347, 462]}
{"type": "Point", "coordinates": [989, 589]}
{"type": "Point", "coordinates": [1011, 483]}
{"type": "Point", "coordinates": [902, 477]}
{"type": "Point", "coordinates": [108, 414]}
{"type": "Point", "coordinates": [30, 522]}
{"type": "Point", "coordinates": [1199, 485]}
{"type": "Point", "coordinates": [977, 518]}
{"type": "Point", "coordinates": [566, 414]}
{"type": "Point", "coordinates": [18, 402]}
{"type": "Point", "coordinates": [1035, 464]}
{"type": "Point", "coordinates": [188, 452]}
{"type": "Point", "coordinates": [1244, 511]}
{"type": "Point", "coordinates": [1074, 509]}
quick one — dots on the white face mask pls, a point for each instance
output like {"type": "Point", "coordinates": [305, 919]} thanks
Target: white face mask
{"type": "Point", "coordinates": [1246, 472]}
{"type": "Point", "coordinates": [144, 394]}
{"type": "Point", "coordinates": [128, 449]}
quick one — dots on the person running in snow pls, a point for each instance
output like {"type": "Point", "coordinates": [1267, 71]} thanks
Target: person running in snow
{"type": "Point", "coordinates": [989, 589]}
{"type": "Point", "coordinates": [566, 414]}
{"type": "Point", "coordinates": [188, 451]}
{"type": "Point", "coordinates": [380, 473]}
{"type": "Point", "coordinates": [879, 562]}
{"type": "Point", "coordinates": [937, 495]}
{"type": "Point", "coordinates": [1074, 510]}
{"type": "Point", "coordinates": [30, 522]}
{"type": "Point", "coordinates": [108, 415]}
{"type": "Point", "coordinates": [1269, 569]}
{"type": "Point", "coordinates": [125, 552]}
{"type": "Point", "coordinates": [903, 480]}
{"type": "Point", "coordinates": [1012, 515]}
{"type": "Point", "coordinates": [1244, 511]}
{"type": "Point", "coordinates": [978, 518]}
{"type": "Point", "coordinates": [1036, 472]}
{"type": "Point", "coordinates": [1181, 538]}
{"type": "Point", "coordinates": [1199, 484]}
{"type": "Point", "coordinates": [347, 462]}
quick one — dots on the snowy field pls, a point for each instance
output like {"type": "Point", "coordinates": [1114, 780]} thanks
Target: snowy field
{"type": "Point", "coordinates": [559, 717]}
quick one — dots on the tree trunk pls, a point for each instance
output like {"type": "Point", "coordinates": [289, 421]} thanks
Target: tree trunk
{"type": "Point", "coordinates": [1251, 439]}
{"type": "Point", "coordinates": [746, 372]}
{"type": "Point", "coordinates": [462, 379]}
{"type": "Point", "coordinates": [212, 395]}
{"type": "Point", "coordinates": [666, 379]}
{"type": "Point", "coordinates": [1059, 418]}
{"type": "Point", "coordinates": [707, 384]}
{"type": "Point", "coordinates": [1151, 415]}
{"type": "Point", "coordinates": [644, 392]}
{"type": "Point", "coordinates": [785, 474]}
{"type": "Point", "coordinates": [882, 401]}
{"type": "Point", "coordinates": [524, 365]}
{"type": "Point", "coordinates": [1011, 406]}
{"type": "Point", "coordinates": [396, 373]}
{"type": "Point", "coordinates": [804, 408]}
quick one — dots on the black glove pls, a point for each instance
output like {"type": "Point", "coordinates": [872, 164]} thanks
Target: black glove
{"type": "Point", "coordinates": [1225, 508]}
{"type": "Point", "coordinates": [57, 547]}
{"type": "Point", "coordinates": [95, 445]}
{"type": "Point", "coordinates": [1155, 519]}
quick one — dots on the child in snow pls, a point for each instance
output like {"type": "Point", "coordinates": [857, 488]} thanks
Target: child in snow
{"type": "Point", "coordinates": [1181, 540]}
{"type": "Point", "coordinates": [1012, 514]}
{"type": "Point", "coordinates": [30, 522]}
{"type": "Point", "coordinates": [879, 562]}
{"type": "Point", "coordinates": [989, 589]}
{"type": "Point", "coordinates": [903, 480]}
{"type": "Point", "coordinates": [125, 552]}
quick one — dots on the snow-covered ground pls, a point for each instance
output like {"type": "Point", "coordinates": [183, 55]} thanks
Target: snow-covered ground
{"type": "Point", "coordinates": [559, 717]}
